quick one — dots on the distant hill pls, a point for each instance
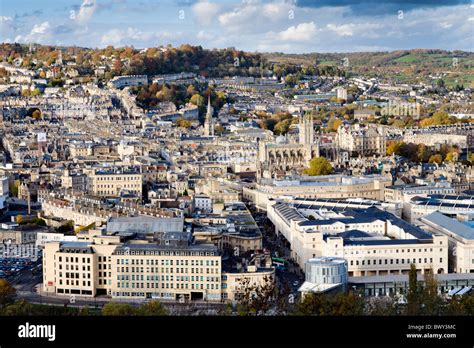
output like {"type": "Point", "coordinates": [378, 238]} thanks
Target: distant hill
{"type": "Point", "coordinates": [401, 66]}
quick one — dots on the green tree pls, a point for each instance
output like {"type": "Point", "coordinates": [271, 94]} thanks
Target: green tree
{"type": "Point", "coordinates": [319, 166]}
{"type": "Point", "coordinates": [118, 309]}
{"type": "Point", "coordinates": [153, 308]}
{"type": "Point", "coordinates": [7, 292]}
{"type": "Point", "coordinates": [17, 308]}
{"type": "Point", "coordinates": [84, 311]}
{"type": "Point", "coordinates": [331, 304]}
{"type": "Point", "coordinates": [413, 296]}
{"type": "Point", "coordinates": [432, 302]}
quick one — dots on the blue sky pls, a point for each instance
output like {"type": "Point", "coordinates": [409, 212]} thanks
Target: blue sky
{"type": "Point", "coordinates": [252, 25]}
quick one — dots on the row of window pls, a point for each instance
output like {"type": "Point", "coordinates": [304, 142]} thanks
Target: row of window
{"type": "Point", "coordinates": [168, 278]}
{"type": "Point", "coordinates": [75, 259]}
{"type": "Point", "coordinates": [167, 270]}
{"type": "Point", "coordinates": [76, 283]}
{"type": "Point", "coordinates": [135, 285]}
{"type": "Point", "coordinates": [118, 178]}
{"type": "Point", "coordinates": [397, 261]}
{"type": "Point", "coordinates": [167, 262]}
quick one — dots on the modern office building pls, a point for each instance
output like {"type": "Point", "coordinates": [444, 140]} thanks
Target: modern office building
{"type": "Point", "coordinates": [374, 242]}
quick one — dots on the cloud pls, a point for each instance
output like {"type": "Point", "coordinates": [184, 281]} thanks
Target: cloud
{"type": "Point", "coordinates": [300, 32]}
{"type": "Point", "coordinates": [351, 29]}
{"type": "Point", "coordinates": [205, 11]}
{"type": "Point", "coordinates": [134, 36]}
{"type": "Point", "coordinates": [86, 11]}
{"type": "Point", "coordinates": [202, 35]}
{"type": "Point", "coordinates": [39, 33]}
{"type": "Point", "coordinates": [238, 17]}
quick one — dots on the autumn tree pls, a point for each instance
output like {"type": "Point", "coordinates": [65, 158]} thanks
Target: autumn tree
{"type": "Point", "coordinates": [333, 124]}
{"type": "Point", "coordinates": [436, 159]}
{"type": "Point", "coordinates": [36, 114]}
{"type": "Point", "coordinates": [319, 166]}
{"type": "Point", "coordinates": [181, 122]}
{"type": "Point", "coordinates": [7, 292]}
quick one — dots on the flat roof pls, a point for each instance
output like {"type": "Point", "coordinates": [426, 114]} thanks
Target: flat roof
{"type": "Point", "coordinates": [451, 225]}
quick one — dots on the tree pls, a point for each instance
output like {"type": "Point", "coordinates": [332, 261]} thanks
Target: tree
{"type": "Point", "coordinates": [20, 307]}
{"type": "Point", "coordinates": [423, 153]}
{"type": "Point", "coordinates": [36, 114]}
{"type": "Point", "coordinates": [436, 159]}
{"type": "Point", "coordinates": [255, 298]}
{"type": "Point", "coordinates": [183, 123]}
{"type": "Point", "coordinates": [118, 309]}
{"type": "Point", "coordinates": [153, 308]}
{"type": "Point", "coordinates": [333, 124]}
{"type": "Point", "coordinates": [381, 306]}
{"type": "Point", "coordinates": [14, 188]}
{"type": "Point", "coordinates": [197, 100]}
{"type": "Point", "coordinates": [331, 304]}
{"type": "Point", "coordinates": [413, 296]}
{"type": "Point", "coordinates": [282, 127]}
{"type": "Point", "coordinates": [218, 129]}
{"type": "Point", "coordinates": [432, 302]}
{"type": "Point", "coordinates": [451, 156]}
{"type": "Point", "coordinates": [438, 118]}
{"type": "Point", "coordinates": [393, 147]}
{"type": "Point", "coordinates": [319, 166]}
{"type": "Point", "coordinates": [19, 219]}
{"type": "Point", "coordinates": [7, 292]}
{"type": "Point", "coordinates": [84, 311]}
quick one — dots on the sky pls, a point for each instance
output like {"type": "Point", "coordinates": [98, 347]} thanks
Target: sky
{"type": "Point", "coordinates": [290, 26]}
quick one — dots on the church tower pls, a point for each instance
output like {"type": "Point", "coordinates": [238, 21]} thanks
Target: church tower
{"type": "Point", "coordinates": [208, 122]}
{"type": "Point", "coordinates": [306, 129]}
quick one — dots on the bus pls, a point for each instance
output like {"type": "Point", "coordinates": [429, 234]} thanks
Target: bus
{"type": "Point", "coordinates": [279, 263]}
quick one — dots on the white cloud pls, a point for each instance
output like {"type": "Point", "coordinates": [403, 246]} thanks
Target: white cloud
{"type": "Point", "coordinates": [86, 11]}
{"type": "Point", "coordinates": [276, 11]}
{"type": "Point", "coordinates": [4, 19]}
{"type": "Point", "coordinates": [205, 11]}
{"type": "Point", "coordinates": [134, 36]}
{"type": "Point", "coordinates": [359, 29]}
{"type": "Point", "coordinates": [300, 32]}
{"type": "Point", "coordinates": [39, 29]}
{"type": "Point", "coordinates": [203, 35]}
{"type": "Point", "coordinates": [240, 16]}
{"type": "Point", "coordinates": [39, 33]}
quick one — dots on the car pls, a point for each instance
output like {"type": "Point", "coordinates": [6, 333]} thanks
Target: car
{"type": "Point", "coordinates": [296, 283]}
